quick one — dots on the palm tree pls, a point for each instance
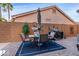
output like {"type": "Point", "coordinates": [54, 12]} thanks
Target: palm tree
{"type": "Point", "coordinates": [0, 12]}
{"type": "Point", "coordinates": [1, 6]}
{"type": "Point", "coordinates": [8, 7]}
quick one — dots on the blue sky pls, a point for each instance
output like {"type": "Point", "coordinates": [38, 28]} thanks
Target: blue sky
{"type": "Point", "coordinates": [68, 8]}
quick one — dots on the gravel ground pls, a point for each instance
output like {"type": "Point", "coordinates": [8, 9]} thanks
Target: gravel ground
{"type": "Point", "coordinates": [69, 43]}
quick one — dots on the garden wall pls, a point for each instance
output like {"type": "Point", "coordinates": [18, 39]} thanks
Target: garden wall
{"type": "Point", "coordinates": [10, 32]}
{"type": "Point", "coordinates": [5, 32]}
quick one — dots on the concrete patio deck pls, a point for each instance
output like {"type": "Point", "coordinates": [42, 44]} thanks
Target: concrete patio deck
{"type": "Point", "coordinates": [11, 48]}
{"type": "Point", "coordinates": [69, 43]}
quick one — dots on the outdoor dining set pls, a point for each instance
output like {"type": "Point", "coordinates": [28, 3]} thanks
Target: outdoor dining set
{"type": "Point", "coordinates": [44, 38]}
{"type": "Point", "coordinates": [39, 39]}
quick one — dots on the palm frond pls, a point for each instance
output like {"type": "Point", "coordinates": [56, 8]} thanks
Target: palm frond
{"type": "Point", "coordinates": [3, 20]}
{"type": "Point", "coordinates": [11, 7]}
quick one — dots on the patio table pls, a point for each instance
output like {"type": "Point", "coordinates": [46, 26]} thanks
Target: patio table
{"type": "Point", "coordinates": [43, 40]}
{"type": "Point", "coordinates": [31, 37]}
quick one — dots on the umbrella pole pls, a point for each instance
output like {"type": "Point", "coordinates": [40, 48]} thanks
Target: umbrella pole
{"type": "Point", "coordinates": [39, 24]}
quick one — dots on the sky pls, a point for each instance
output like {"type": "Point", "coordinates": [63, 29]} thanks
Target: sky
{"type": "Point", "coordinates": [69, 8]}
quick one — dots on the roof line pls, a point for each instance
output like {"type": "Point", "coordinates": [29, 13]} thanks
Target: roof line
{"type": "Point", "coordinates": [64, 14]}
{"type": "Point", "coordinates": [30, 12]}
{"type": "Point", "coordinates": [33, 11]}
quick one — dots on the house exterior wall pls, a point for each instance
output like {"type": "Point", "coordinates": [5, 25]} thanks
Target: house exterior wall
{"type": "Point", "coordinates": [47, 16]}
{"type": "Point", "coordinates": [27, 18]}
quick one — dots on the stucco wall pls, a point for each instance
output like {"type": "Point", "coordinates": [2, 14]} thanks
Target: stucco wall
{"type": "Point", "coordinates": [78, 28]}
{"type": "Point", "coordinates": [5, 32]}
{"type": "Point", "coordinates": [27, 18]}
{"type": "Point", "coordinates": [47, 16]}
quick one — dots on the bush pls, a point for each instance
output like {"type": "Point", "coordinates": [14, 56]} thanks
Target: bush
{"type": "Point", "coordinates": [25, 29]}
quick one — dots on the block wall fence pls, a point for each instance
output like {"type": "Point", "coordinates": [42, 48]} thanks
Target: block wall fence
{"type": "Point", "coordinates": [10, 31]}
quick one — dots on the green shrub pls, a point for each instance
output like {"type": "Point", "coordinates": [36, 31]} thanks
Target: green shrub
{"type": "Point", "coordinates": [25, 28]}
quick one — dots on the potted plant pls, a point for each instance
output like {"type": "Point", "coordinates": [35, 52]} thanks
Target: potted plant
{"type": "Point", "coordinates": [25, 30]}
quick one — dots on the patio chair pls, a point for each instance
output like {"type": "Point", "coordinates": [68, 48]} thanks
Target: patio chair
{"type": "Point", "coordinates": [51, 36]}
{"type": "Point", "coordinates": [30, 39]}
{"type": "Point", "coordinates": [59, 35]}
{"type": "Point", "coordinates": [24, 39]}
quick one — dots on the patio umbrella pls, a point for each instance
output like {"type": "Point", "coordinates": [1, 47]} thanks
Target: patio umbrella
{"type": "Point", "coordinates": [39, 21]}
{"type": "Point", "coordinates": [39, 18]}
